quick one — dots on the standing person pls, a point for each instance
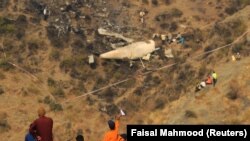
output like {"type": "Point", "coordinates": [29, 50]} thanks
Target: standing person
{"type": "Point", "coordinates": [79, 138]}
{"type": "Point", "coordinates": [112, 134]}
{"type": "Point", "coordinates": [42, 127]}
{"type": "Point", "coordinates": [214, 75]}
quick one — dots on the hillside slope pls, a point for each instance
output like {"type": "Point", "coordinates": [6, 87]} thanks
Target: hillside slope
{"type": "Point", "coordinates": [45, 63]}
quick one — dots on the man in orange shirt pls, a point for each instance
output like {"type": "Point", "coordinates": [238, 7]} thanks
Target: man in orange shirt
{"type": "Point", "coordinates": [113, 134]}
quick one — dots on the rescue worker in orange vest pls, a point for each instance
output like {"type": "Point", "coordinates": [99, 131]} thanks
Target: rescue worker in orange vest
{"type": "Point", "coordinates": [113, 134]}
{"type": "Point", "coordinates": [209, 80]}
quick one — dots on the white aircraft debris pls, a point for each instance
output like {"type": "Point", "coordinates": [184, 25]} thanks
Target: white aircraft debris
{"type": "Point", "coordinates": [132, 51]}
{"type": "Point", "coordinates": [91, 59]}
{"type": "Point", "coordinates": [168, 53]}
{"type": "Point", "coordinates": [102, 31]}
{"type": "Point", "coordinates": [147, 57]}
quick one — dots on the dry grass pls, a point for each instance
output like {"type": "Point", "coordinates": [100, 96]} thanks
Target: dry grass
{"type": "Point", "coordinates": [35, 44]}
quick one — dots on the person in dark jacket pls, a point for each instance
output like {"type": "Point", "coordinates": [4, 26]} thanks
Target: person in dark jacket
{"type": "Point", "coordinates": [79, 138]}
{"type": "Point", "coordinates": [42, 127]}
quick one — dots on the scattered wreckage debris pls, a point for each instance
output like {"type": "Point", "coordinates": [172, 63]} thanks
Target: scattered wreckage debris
{"type": "Point", "coordinates": [168, 53]}
{"type": "Point", "coordinates": [102, 31]}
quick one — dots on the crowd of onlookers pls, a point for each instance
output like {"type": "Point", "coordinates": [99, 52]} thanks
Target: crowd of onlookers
{"type": "Point", "coordinates": [41, 129]}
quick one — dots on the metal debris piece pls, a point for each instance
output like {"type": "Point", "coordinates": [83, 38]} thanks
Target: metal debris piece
{"type": "Point", "coordinates": [102, 31]}
{"type": "Point", "coordinates": [132, 51]}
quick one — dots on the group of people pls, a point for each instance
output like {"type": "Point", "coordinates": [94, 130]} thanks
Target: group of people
{"type": "Point", "coordinates": [179, 38]}
{"type": "Point", "coordinates": [41, 129]}
{"type": "Point", "coordinates": [210, 80]}
{"type": "Point", "coordinates": [236, 57]}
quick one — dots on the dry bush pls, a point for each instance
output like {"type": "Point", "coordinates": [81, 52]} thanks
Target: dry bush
{"type": "Point", "coordinates": [34, 7]}
{"type": "Point", "coordinates": [4, 125]}
{"type": "Point", "coordinates": [237, 26]}
{"type": "Point", "coordinates": [108, 95]}
{"type": "Point", "coordinates": [236, 5]}
{"type": "Point", "coordinates": [237, 48]}
{"type": "Point", "coordinates": [155, 2]}
{"type": "Point", "coordinates": [67, 64]}
{"type": "Point", "coordinates": [1, 90]}
{"type": "Point", "coordinates": [129, 105]}
{"type": "Point", "coordinates": [55, 88]}
{"type": "Point", "coordinates": [2, 76]}
{"type": "Point", "coordinates": [128, 84]}
{"type": "Point", "coordinates": [21, 22]}
{"type": "Point", "coordinates": [57, 92]}
{"type": "Point", "coordinates": [6, 26]}
{"type": "Point", "coordinates": [33, 46]}
{"type": "Point", "coordinates": [151, 81]}
{"type": "Point", "coordinates": [112, 109]}
{"type": "Point", "coordinates": [79, 47]}
{"type": "Point", "coordinates": [90, 101]}
{"type": "Point", "coordinates": [159, 103]}
{"type": "Point", "coordinates": [190, 114]}
{"type": "Point", "coordinates": [202, 70]}
{"type": "Point", "coordinates": [79, 88]}
{"type": "Point", "coordinates": [211, 47]}
{"type": "Point", "coordinates": [139, 91]}
{"type": "Point", "coordinates": [4, 65]}
{"type": "Point", "coordinates": [3, 4]}
{"type": "Point", "coordinates": [145, 1]}
{"type": "Point", "coordinates": [234, 90]}
{"type": "Point", "coordinates": [54, 55]}
{"type": "Point", "coordinates": [52, 104]}
{"type": "Point", "coordinates": [168, 2]}
{"type": "Point", "coordinates": [51, 82]}
{"type": "Point", "coordinates": [57, 38]}
{"type": "Point", "coordinates": [169, 15]}
{"type": "Point", "coordinates": [231, 10]}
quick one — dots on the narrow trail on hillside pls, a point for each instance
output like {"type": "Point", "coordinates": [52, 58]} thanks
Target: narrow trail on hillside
{"type": "Point", "coordinates": [210, 94]}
